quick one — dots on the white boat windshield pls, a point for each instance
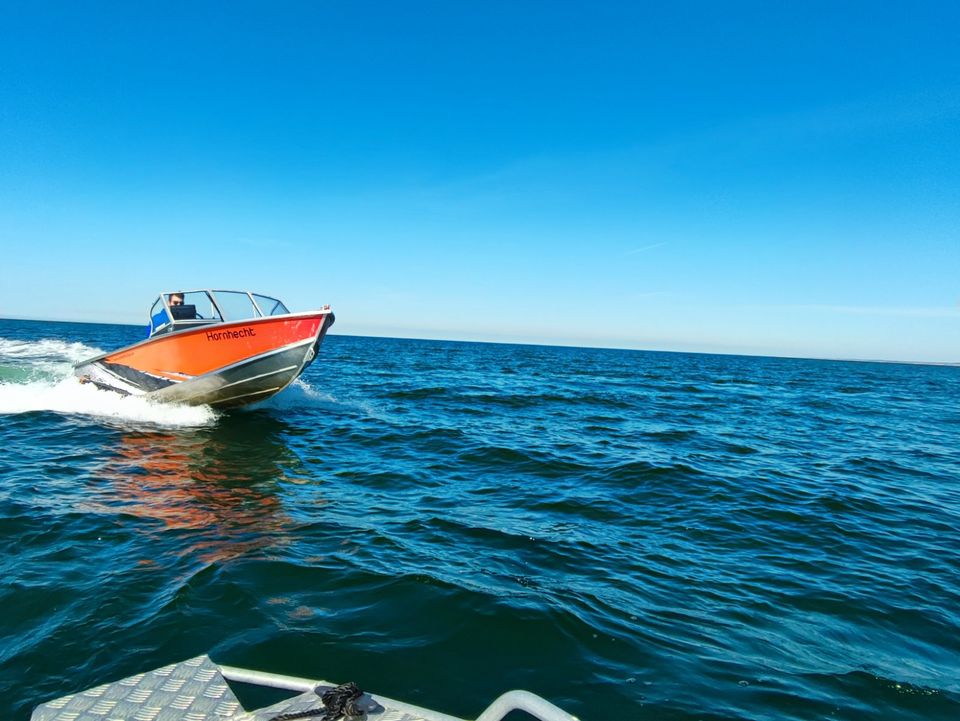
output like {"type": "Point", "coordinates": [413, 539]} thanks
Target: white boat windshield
{"type": "Point", "coordinates": [270, 306]}
{"type": "Point", "coordinates": [177, 310]}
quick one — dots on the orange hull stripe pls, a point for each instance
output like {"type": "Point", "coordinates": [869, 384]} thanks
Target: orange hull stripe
{"type": "Point", "coordinates": [206, 349]}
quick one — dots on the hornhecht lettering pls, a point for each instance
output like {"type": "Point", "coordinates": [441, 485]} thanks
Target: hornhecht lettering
{"type": "Point", "coordinates": [230, 334]}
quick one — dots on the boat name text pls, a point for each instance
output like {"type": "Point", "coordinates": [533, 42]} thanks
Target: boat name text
{"type": "Point", "coordinates": [230, 334]}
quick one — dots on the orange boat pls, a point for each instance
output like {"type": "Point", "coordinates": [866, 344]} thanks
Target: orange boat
{"type": "Point", "coordinates": [222, 348]}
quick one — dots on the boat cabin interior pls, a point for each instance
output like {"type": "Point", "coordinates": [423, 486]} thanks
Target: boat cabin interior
{"type": "Point", "coordinates": [180, 310]}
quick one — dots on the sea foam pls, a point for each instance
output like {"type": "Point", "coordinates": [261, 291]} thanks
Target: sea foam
{"type": "Point", "coordinates": [38, 376]}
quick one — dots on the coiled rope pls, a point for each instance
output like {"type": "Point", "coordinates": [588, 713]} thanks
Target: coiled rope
{"type": "Point", "coordinates": [340, 701]}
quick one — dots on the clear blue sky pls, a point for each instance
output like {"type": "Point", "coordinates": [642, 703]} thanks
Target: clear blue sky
{"type": "Point", "coordinates": [764, 177]}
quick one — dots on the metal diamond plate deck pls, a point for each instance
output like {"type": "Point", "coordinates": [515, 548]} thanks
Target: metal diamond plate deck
{"type": "Point", "coordinates": [193, 690]}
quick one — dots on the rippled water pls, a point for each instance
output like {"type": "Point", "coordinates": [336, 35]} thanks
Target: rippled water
{"type": "Point", "coordinates": [633, 535]}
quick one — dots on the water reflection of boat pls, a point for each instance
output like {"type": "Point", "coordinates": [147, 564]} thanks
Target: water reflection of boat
{"type": "Point", "coordinates": [222, 482]}
{"type": "Point", "coordinates": [221, 348]}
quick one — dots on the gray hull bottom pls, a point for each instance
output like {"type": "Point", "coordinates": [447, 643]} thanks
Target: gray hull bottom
{"type": "Point", "coordinates": [247, 382]}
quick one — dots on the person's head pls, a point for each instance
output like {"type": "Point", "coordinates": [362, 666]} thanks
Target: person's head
{"type": "Point", "coordinates": [176, 299]}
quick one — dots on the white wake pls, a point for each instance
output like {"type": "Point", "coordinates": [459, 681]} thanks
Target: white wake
{"type": "Point", "coordinates": [38, 376]}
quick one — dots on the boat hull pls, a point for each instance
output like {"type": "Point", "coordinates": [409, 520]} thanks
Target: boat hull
{"type": "Point", "coordinates": [222, 364]}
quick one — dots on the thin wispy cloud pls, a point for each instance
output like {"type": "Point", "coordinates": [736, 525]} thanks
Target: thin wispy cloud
{"type": "Point", "coordinates": [645, 248]}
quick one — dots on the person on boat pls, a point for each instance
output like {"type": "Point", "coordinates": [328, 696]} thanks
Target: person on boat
{"type": "Point", "coordinates": [179, 309]}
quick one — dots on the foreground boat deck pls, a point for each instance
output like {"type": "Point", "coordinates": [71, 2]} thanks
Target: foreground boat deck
{"type": "Point", "coordinates": [197, 690]}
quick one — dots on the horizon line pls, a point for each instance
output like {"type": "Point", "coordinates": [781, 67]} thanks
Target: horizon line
{"type": "Point", "coordinates": [561, 345]}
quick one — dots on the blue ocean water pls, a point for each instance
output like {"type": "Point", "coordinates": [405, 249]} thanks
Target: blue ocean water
{"type": "Point", "coordinates": [630, 534]}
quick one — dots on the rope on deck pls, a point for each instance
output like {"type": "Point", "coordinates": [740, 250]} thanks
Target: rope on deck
{"type": "Point", "coordinates": [340, 701]}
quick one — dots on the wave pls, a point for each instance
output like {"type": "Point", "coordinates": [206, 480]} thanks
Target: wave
{"type": "Point", "coordinates": [45, 358]}
{"type": "Point", "coordinates": [69, 396]}
{"type": "Point", "coordinates": [46, 349]}
{"type": "Point", "coordinates": [300, 395]}
{"type": "Point", "coordinates": [37, 376]}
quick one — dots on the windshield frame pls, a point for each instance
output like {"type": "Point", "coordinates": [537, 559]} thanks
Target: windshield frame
{"type": "Point", "coordinates": [169, 323]}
